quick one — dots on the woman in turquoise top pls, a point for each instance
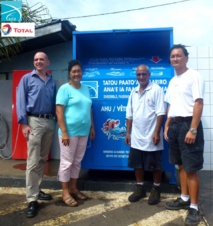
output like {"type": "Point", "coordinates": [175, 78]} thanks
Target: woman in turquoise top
{"type": "Point", "coordinates": [74, 113]}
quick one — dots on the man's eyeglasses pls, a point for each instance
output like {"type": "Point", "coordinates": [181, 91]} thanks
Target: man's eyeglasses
{"type": "Point", "coordinates": [143, 74]}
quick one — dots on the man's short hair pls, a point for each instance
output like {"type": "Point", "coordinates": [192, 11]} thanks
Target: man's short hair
{"type": "Point", "coordinates": [180, 46]}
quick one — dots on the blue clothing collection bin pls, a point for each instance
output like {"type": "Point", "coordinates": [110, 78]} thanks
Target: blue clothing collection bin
{"type": "Point", "coordinates": [109, 59]}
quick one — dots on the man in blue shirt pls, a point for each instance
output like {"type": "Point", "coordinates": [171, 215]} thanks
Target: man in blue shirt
{"type": "Point", "coordinates": [36, 113]}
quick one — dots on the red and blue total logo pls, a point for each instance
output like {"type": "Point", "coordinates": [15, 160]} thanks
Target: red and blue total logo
{"type": "Point", "coordinates": [6, 29]}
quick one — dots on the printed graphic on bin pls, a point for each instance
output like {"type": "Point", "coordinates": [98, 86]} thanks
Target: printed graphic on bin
{"type": "Point", "coordinates": [109, 60]}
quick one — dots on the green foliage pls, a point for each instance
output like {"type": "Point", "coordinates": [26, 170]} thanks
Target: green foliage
{"type": "Point", "coordinates": [37, 13]}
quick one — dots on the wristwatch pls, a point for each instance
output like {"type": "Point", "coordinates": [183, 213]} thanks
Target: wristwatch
{"type": "Point", "coordinates": [193, 131]}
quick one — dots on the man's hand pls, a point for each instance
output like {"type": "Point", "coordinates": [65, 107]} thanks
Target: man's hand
{"type": "Point", "coordinates": [26, 130]}
{"type": "Point", "coordinates": [190, 138]}
{"type": "Point", "coordinates": [127, 139]}
{"type": "Point", "coordinates": [165, 133]}
{"type": "Point", "coordinates": [156, 138]}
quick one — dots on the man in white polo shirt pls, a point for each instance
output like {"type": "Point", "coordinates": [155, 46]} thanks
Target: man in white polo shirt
{"type": "Point", "coordinates": [144, 117]}
{"type": "Point", "coordinates": [184, 131]}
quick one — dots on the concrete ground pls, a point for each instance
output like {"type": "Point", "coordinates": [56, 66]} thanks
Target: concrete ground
{"type": "Point", "coordinates": [108, 203]}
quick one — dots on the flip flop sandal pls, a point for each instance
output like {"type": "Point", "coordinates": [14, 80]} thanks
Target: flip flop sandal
{"type": "Point", "coordinates": [79, 195]}
{"type": "Point", "coordinates": [70, 201]}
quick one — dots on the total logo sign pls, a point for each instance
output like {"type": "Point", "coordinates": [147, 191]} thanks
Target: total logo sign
{"type": "Point", "coordinates": [18, 30]}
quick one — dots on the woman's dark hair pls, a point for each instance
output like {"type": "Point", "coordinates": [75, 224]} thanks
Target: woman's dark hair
{"type": "Point", "coordinates": [180, 46]}
{"type": "Point", "coordinates": [73, 63]}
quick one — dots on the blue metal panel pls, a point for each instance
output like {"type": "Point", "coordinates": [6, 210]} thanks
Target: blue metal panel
{"type": "Point", "coordinates": [74, 47]}
{"type": "Point", "coordinates": [109, 60]}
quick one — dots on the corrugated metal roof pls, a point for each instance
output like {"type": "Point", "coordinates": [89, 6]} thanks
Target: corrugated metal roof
{"type": "Point", "coordinates": [55, 32]}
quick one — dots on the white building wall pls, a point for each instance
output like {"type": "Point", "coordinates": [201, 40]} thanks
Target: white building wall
{"type": "Point", "coordinates": [201, 59]}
